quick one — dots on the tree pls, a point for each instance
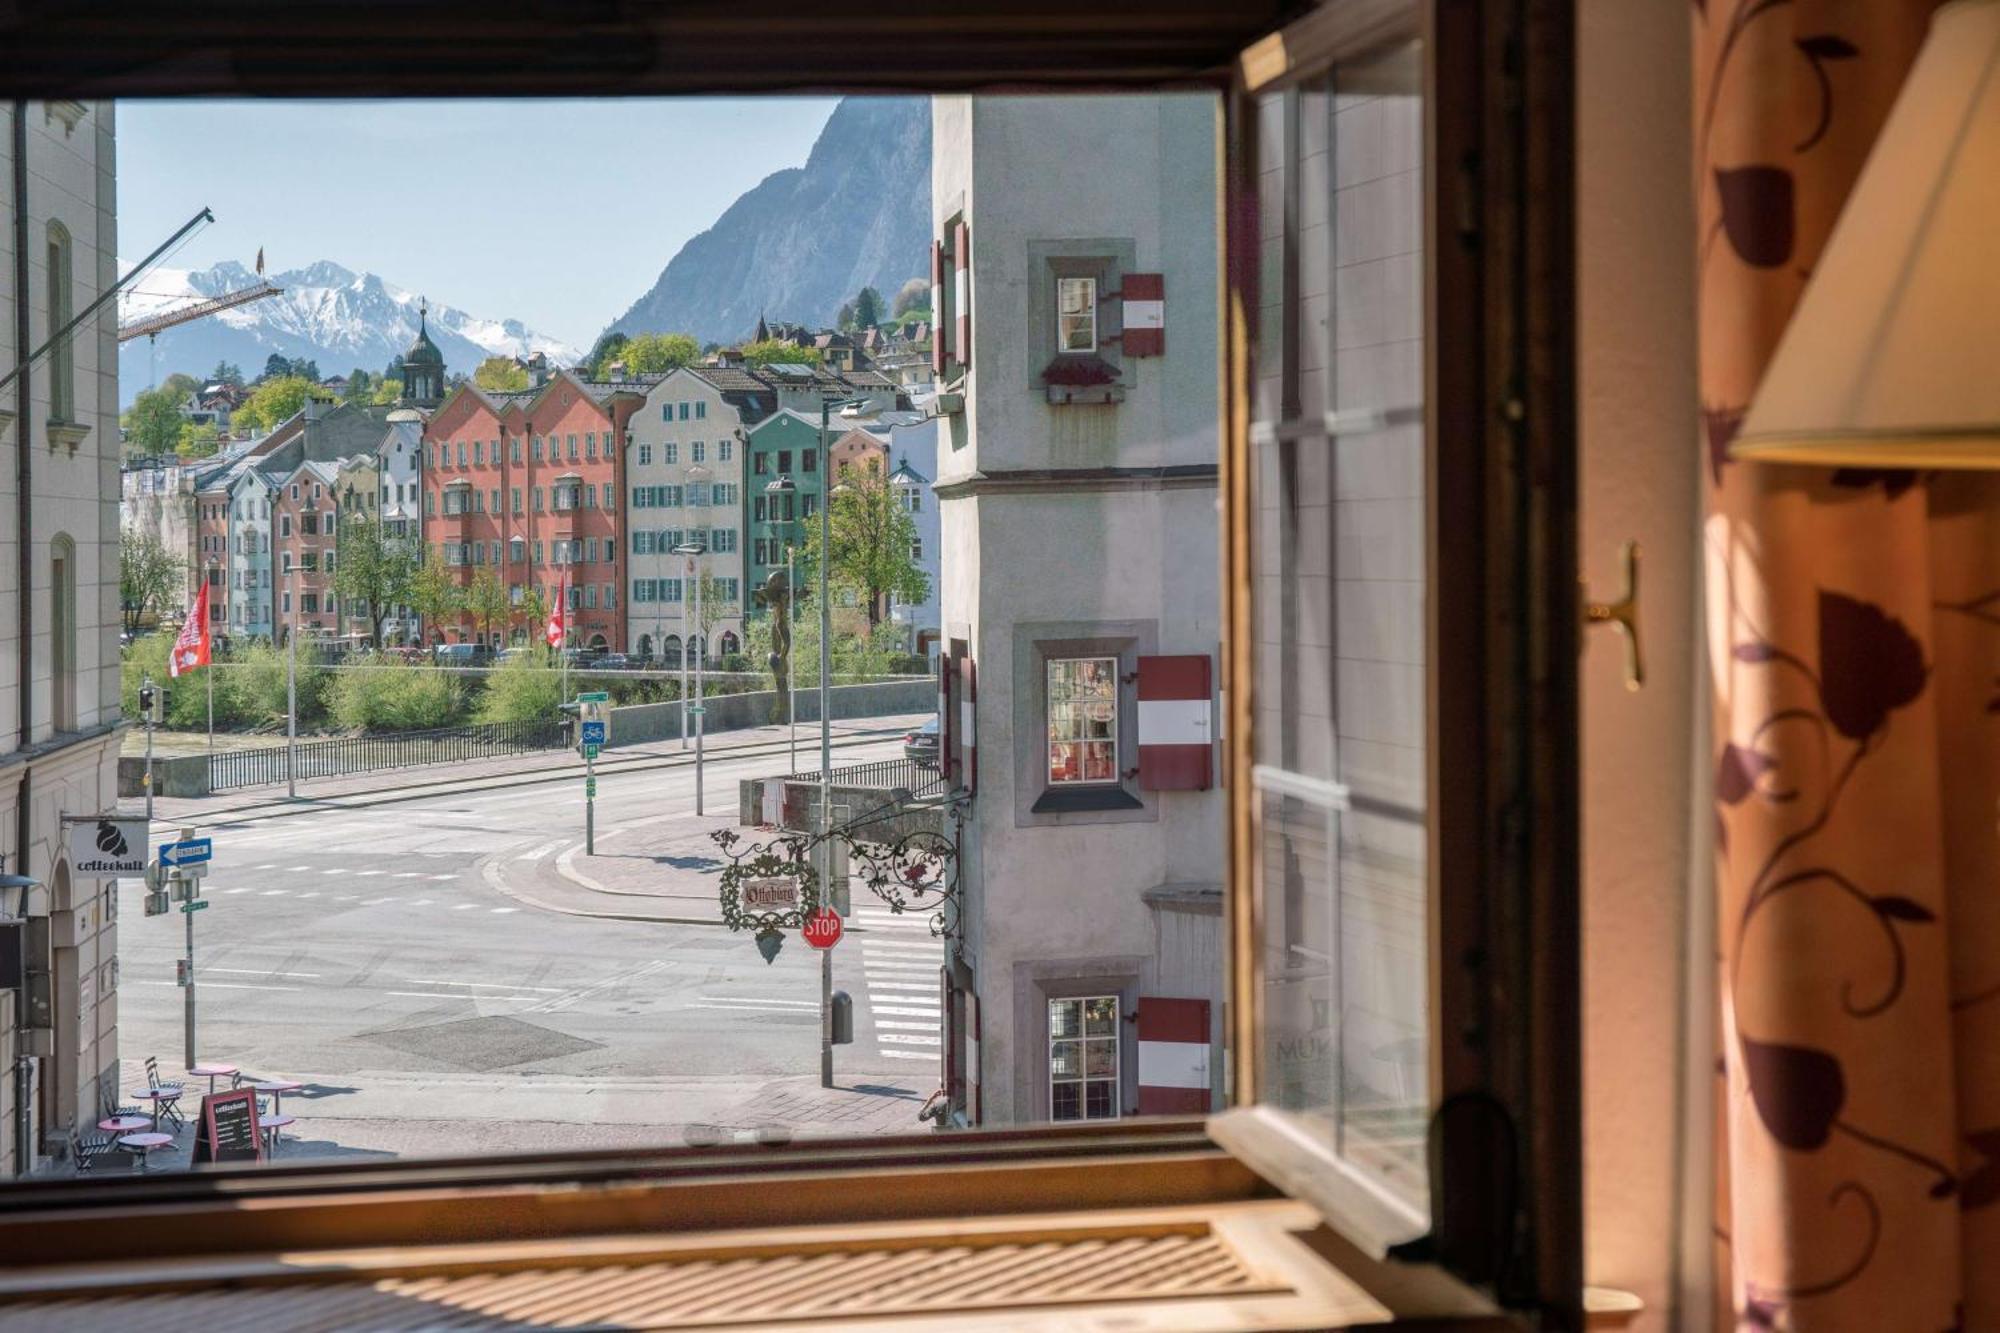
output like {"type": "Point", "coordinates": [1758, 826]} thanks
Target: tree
{"type": "Point", "coordinates": [867, 308]}
{"type": "Point", "coordinates": [149, 575]}
{"type": "Point", "coordinates": [388, 391]}
{"type": "Point", "coordinates": [198, 441]}
{"type": "Point", "coordinates": [360, 386]}
{"type": "Point", "coordinates": [434, 591]}
{"type": "Point", "coordinates": [715, 608]}
{"type": "Point", "coordinates": [153, 422]}
{"type": "Point", "coordinates": [375, 568]}
{"type": "Point", "coordinates": [500, 374]}
{"type": "Point", "coordinates": [227, 372]}
{"type": "Point", "coordinates": [843, 318]}
{"type": "Point", "coordinates": [276, 367]}
{"type": "Point", "coordinates": [912, 295]}
{"type": "Point", "coordinates": [486, 601]}
{"type": "Point", "coordinates": [532, 612]}
{"type": "Point", "coordinates": [609, 347]}
{"type": "Point", "coordinates": [653, 353]}
{"type": "Point", "coordinates": [872, 537]}
{"type": "Point", "coordinates": [272, 401]}
{"type": "Point", "coordinates": [773, 350]}
{"type": "Point", "coordinates": [308, 370]}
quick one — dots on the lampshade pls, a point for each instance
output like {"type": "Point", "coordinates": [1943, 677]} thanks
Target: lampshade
{"type": "Point", "coordinates": [1892, 358]}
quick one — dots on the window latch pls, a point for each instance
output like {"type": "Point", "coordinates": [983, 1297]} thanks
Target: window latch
{"type": "Point", "coordinates": [1624, 613]}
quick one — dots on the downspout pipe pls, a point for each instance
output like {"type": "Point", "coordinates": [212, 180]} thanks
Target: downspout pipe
{"type": "Point", "coordinates": [24, 518]}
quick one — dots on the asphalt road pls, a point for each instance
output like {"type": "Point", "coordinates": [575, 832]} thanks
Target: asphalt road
{"type": "Point", "coordinates": [363, 952]}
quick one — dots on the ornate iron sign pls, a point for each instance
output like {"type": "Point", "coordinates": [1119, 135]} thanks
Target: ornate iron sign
{"type": "Point", "coordinates": [916, 873]}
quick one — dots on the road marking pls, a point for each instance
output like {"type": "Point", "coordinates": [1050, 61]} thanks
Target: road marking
{"type": "Point", "coordinates": [343, 897]}
{"type": "Point", "coordinates": [751, 1009]}
{"type": "Point", "coordinates": [931, 1012]}
{"type": "Point", "coordinates": [543, 850]}
{"type": "Point", "coordinates": [311, 894]}
{"type": "Point", "coordinates": [261, 972]}
{"type": "Point", "coordinates": [274, 893]}
{"type": "Point", "coordinates": [444, 876]}
{"type": "Point", "coordinates": [463, 907]}
{"type": "Point", "coordinates": [502, 911]}
{"type": "Point", "coordinates": [333, 870]}
{"type": "Point", "coordinates": [611, 982]}
{"type": "Point", "coordinates": [762, 999]}
{"type": "Point", "coordinates": [908, 1055]}
{"type": "Point", "coordinates": [297, 868]}
{"type": "Point", "coordinates": [447, 995]}
{"type": "Point", "coordinates": [492, 985]}
{"type": "Point", "coordinates": [377, 902]}
{"type": "Point", "coordinates": [421, 902]}
{"type": "Point", "coordinates": [907, 1039]}
{"type": "Point", "coordinates": [874, 986]}
{"type": "Point", "coordinates": [220, 985]}
{"type": "Point", "coordinates": [236, 890]}
{"type": "Point", "coordinates": [912, 1027]}
{"type": "Point", "coordinates": [408, 874]}
{"type": "Point", "coordinates": [364, 874]}
{"type": "Point", "coordinates": [887, 968]}
{"type": "Point", "coordinates": [266, 866]}
{"type": "Point", "coordinates": [902, 948]}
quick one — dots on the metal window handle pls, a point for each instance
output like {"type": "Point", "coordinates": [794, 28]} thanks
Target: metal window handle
{"type": "Point", "coordinates": [1624, 613]}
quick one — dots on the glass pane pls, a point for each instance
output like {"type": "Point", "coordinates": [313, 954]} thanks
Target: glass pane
{"type": "Point", "coordinates": [1065, 1018]}
{"type": "Point", "coordinates": [1065, 1059]}
{"type": "Point", "coordinates": [1100, 1059]}
{"type": "Point", "coordinates": [1066, 1101]}
{"type": "Point", "coordinates": [1339, 600]}
{"type": "Point", "coordinates": [1101, 1016]}
{"type": "Point", "coordinates": [1101, 1100]}
{"type": "Point", "coordinates": [1076, 305]}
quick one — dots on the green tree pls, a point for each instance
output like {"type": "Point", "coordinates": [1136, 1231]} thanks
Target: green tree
{"type": "Point", "coordinates": [843, 318]}
{"type": "Point", "coordinates": [434, 592]}
{"type": "Point", "coordinates": [375, 567]}
{"type": "Point", "coordinates": [609, 347]}
{"type": "Point", "coordinates": [912, 295]}
{"type": "Point", "coordinates": [227, 372]}
{"type": "Point", "coordinates": [272, 401]}
{"type": "Point", "coordinates": [394, 696]}
{"type": "Point", "coordinates": [500, 374]}
{"type": "Point", "coordinates": [486, 601]}
{"type": "Point", "coordinates": [388, 391]}
{"type": "Point", "coordinates": [526, 688]}
{"type": "Point", "coordinates": [149, 576]}
{"type": "Point", "coordinates": [872, 537]}
{"type": "Point", "coordinates": [198, 441]}
{"type": "Point", "coordinates": [653, 353]}
{"type": "Point", "coordinates": [153, 422]}
{"type": "Point", "coordinates": [360, 386]}
{"type": "Point", "coordinates": [867, 308]}
{"type": "Point", "coordinates": [531, 614]}
{"type": "Point", "coordinates": [276, 367]}
{"type": "Point", "coordinates": [773, 350]}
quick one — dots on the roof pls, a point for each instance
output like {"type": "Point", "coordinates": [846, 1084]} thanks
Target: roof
{"type": "Point", "coordinates": [729, 379]}
{"type": "Point", "coordinates": [423, 351]}
{"type": "Point", "coordinates": [905, 475]}
{"type": "Point", "coordinates": [783, 413]}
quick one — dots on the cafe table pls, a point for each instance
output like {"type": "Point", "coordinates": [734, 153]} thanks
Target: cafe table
{"type": "Point", "coordinates": [211, 1071]}
{"type": "Point", "coordinates": [125, 1124]}
{"type": "Point", "coordinates": [278, 1087]}
{"type": "Point", "coordinates": [271, 1125]}
{"type": "Point", "coordinates": [144, 1145]}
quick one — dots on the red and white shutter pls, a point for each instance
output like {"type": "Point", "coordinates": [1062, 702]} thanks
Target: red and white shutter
{"type": "Point", "coordinates": [1173, 1057]}
{"type": "Point", "coordinates": [968, 708]}
{"type": "Point", "coordinates": [961, 263]}
{"type": "Point", "coordinates": [1145, 315]}
{"type": "Point", "coordinates": [937, 308]}
{"type": "Point", "coordinates": [947, 729]}
{"type": "Point", "coordinates": [972, 1087]}
{"type": "Point", "coordinates": [1176, 747]}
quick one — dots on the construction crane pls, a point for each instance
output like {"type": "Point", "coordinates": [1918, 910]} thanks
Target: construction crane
{"type": "Point", "coordinates": [153, 325]}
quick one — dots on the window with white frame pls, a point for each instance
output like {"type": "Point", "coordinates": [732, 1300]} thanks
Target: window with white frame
{"type": "Point", "coordinates": [645, 455]}
{"type": "Point", "coordinates": [1083, 1058]}
{"type": "Point", "coordinates": [1076, 314]}
{"type": "Point", "coordinates": [1083, 720]}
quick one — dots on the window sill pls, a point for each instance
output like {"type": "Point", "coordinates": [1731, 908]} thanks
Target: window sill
{"type": "Point", "coordinates": [1057, 801]}
{"type": "Point", "coordinates": [66, 434]}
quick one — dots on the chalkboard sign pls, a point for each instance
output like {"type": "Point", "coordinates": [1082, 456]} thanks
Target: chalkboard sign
{"type": "Point", "coordinates": [229, 1131]}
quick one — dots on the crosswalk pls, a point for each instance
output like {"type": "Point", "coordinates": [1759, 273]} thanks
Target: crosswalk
{"type": "Point", "coordinates": [327, 880]}
{"type": "Point", "coordinates": [899, 960]}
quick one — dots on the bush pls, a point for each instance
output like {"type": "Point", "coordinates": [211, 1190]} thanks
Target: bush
{"type": "Point", "coordinates": [258, 682]}
{"type": "Point", "coordinates": [522, 689]}
{"type": "Point", "coordinates": [187, 697]}
{"type": "Point", "coordinates": [394, 696]}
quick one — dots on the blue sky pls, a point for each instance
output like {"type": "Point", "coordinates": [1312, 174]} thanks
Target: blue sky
{"type": "Point", "coordinates": [556, 213]}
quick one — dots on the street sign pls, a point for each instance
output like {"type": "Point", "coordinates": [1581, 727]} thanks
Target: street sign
{"type": "Point", "coordinates": [590, 786]}
{"type": "Point", "coordinates": [191, 852]}
{"type": "Point", "coordinates": [593, 732]}
{"type": "Point", "coordinates": [697, 709]}
{"type": "Point", "coordinates": [591, 749]}
{"type": "Point", "coordinates": [105, 846]}
{"type": "Point", "coordinates": [822, 928]}
{"type": "Point", "coordinates": [594, 697]}
{"type": "Point", "coordinates": [194, 906]}
{"type": "Point", "coordinates": [778, 894]}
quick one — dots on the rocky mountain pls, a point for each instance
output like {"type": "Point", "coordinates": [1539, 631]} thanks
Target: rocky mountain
{"type": "Point", "coordinates": [807, 238]}
{"type": "Point", "coordinates": [329, 314]}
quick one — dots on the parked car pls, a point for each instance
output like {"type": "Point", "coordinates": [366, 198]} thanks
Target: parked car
{"type": "Point", "coordinates": [921, 746]}
{"type": "Point", "coordinates": [613, 662]}
{"type": "Point", "coordinates": [463, 654]}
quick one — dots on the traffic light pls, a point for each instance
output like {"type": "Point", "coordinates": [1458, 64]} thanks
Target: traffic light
{"type": "Point", "coordinates": [159, 703]}
{"type": "Point", "coordinates": [145, 701]}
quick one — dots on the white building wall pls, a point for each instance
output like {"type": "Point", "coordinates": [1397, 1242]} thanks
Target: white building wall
{"type": "Point", "coordinates": [718, 426]}
{"type": "Point", "coordinates": [1120, 556]}
{"type": "Point", "coordinates": [73, 508]}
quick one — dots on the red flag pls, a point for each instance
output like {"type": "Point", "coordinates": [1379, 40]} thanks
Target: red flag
{"type": "Point", "coordinates": [559, 613]}
{"type": "Point", "coordinates": [191, 647]}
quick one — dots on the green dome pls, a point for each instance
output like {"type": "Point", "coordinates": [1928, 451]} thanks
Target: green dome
{"type": "Point", "coordinates": [423, 352]}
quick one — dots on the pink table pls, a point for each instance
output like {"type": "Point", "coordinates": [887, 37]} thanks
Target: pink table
{"type": "Point", "coordinates": [126, 1124]}
{"type": "Point", "coordinates": [164, 1101]}
{"type": "Point", "coordinates": [144, 1144]}
{"type": "Point", "coordinates": [271, 1125]}
{"type": "Point", "coordinates": [278, 1087]}
{"type": "Point", "coordinates": [211, 1072]}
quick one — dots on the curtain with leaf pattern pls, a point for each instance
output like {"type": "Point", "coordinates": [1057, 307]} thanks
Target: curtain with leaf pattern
{"type": "Point", "coordinates": [1854, 649]}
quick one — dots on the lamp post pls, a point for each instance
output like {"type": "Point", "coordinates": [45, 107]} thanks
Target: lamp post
{"type": "Point", "coordinates": [783, 487]}
{"type": "Point", "coordinates": [694, 550]}
{"type": "Point", "coordinates": [826, 403]}
{"type": "Point", "coordinates": [292, 681]}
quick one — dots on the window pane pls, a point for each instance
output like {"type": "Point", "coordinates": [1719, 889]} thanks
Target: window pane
{"type": "Point", "coordinates": [1100, 1017]}
{"type": "Point", "coordinates": [1076, 314]}
{"type": "Point", "coordinates": [1339, 499]}
{"type": "Point", "coordinates": [1066, 1101]}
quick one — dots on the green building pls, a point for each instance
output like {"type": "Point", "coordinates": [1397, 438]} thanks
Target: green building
{"type": "Point", "coordinates": [786, 445]}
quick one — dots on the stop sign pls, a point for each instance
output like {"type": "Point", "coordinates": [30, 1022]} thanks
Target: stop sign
{"type": "Point", "coordinates": [822, 929]}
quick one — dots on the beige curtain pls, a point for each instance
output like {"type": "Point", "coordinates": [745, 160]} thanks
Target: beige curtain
{"type": "Point", "coordinates": [1854, 647]}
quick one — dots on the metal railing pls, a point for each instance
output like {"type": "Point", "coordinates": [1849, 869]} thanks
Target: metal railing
{"type": "Point", "coordinates": [919, 778]}
{"type": "Point", "coordinates": [367, 754]}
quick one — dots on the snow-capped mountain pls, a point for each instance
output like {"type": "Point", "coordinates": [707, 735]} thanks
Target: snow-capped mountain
{"type": "Point", "coordinates": [329, 314]}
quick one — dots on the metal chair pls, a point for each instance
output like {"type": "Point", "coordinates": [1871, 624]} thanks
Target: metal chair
{"type": "Point", "coordinates": [85, 1150]}
{"type": "Point", "coordinates": [165, 1096]}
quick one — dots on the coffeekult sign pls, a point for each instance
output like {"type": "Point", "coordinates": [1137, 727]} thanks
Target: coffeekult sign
{"type": "Point", "coordinates": [106, 846]}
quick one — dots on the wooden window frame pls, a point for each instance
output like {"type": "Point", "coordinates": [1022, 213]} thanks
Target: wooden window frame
{"type": "Point", "coordinates": [1501, 409]}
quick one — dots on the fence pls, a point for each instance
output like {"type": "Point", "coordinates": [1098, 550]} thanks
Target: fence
{"type": "Point", "coordinates": [366, 754]}
{"type": "Point", "coordinates": [885, 775]}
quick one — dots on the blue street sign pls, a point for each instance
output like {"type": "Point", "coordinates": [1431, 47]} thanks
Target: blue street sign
{"type": "Point", "coordinates": [193, 852]}
{"type": "Point", "coordinates": [593, 733]}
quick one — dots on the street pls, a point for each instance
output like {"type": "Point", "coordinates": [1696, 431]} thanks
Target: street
{"type": "Point", "coordinates": [404, 962]}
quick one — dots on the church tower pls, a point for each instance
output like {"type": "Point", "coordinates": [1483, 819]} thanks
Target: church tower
{"type": "Point", "coordinates": [423, 366]}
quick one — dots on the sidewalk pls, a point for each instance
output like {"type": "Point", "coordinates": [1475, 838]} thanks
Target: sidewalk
{"type": "Point", "coordinates": [390, 1115]}
{"type": "Point", "coordinates": [402, 784]}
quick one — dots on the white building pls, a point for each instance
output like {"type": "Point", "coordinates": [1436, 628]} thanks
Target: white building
{"type": "Point", "coordinates": [1077, 474]}
{"type": "Point", "coordinates": [684, 483]}
{"type": "Point", "coordinates": [60, 720]}
{"type": "Point", "coordinates": [402, 506]}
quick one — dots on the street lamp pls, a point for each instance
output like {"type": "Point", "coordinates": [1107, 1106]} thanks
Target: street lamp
{"type": "Point", "coordinates": [694, 550]}
{"type": "Point", "coordinates": [784, 486]}
{"type": "Point", "coordinates": [292, 680]}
